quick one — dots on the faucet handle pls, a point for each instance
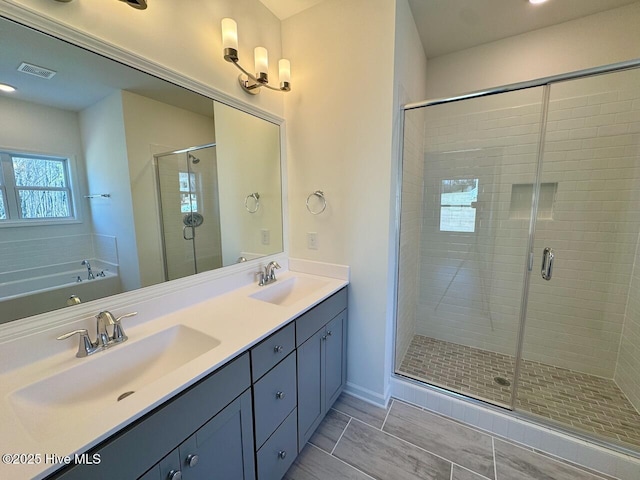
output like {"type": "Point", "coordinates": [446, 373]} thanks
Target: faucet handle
{"type": "Point", "coordinates": [85, 347]}
{"type": "Point", "coordinates": [118, 332]}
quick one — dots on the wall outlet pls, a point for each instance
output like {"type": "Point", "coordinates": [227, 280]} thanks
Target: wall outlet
{"type": "Point", "coordinates": [265, 236]}
{"type": "Point", "coordinates": [312, 240]}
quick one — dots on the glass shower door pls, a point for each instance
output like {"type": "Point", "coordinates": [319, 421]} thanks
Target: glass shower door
{"type": "Point", "coordinates": [581, 351]}
{"type": "Point", "coordinates": [468, 174]}
{"type": "Point", "coordinates": [190, 217]}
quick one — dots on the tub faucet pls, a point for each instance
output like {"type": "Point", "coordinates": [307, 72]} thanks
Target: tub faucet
{"type": "Point", "coordinates": [90, 275]}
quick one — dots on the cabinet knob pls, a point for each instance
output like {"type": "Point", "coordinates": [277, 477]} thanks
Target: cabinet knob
{"type": "Point", "coordinates": [324, 337]}
{"type": "Point", "coordinates": [329, 333]}
{"type": "Point", "coordinates": [192, 460]}
{"type": "Point", "coordinates": [282, 454]}
{"type": "Point", "coordinates": [174, 475]}
{"type": "Point", "coordinates": [280, 395]}
{"type": "Point", "coordinates": [278, 349]}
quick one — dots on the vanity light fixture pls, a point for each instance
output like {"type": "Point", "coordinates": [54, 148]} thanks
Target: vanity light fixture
{"type": "Point", "coordinates": [253, 83]}
{"type": "Point", "coordinates": [7, 88]}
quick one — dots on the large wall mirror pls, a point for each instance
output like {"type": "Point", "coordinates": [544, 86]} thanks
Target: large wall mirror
{"type": "Point", "coordinates": [113, 180]}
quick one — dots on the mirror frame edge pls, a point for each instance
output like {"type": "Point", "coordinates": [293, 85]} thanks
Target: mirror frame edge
{"type": "Point", "coordinates": [56, 318]}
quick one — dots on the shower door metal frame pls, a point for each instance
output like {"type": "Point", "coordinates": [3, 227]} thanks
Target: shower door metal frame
{"type": "Point", "coordinates": [546, 83]}
{"type": "Point", "coordinates": [156, 158]}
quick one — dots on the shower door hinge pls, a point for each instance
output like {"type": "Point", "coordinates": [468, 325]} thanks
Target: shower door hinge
{"type": "Point", "coordinates": [530, 261]}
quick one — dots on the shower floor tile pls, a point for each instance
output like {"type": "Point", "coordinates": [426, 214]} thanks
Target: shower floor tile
{"type": "Point", "coordinates": [583, 401]}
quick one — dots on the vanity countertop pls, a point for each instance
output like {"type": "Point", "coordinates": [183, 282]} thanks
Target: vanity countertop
{"type": "Point", "coordinates": [235, 319]}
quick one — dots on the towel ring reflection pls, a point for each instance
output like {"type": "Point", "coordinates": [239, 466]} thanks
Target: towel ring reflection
{"type": "Point", "coordinates": [320, 195]}
{"type": "Point", "coordinates": [256, 198]}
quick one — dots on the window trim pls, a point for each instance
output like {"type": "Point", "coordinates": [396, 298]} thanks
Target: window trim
{"type": "Point", "coordinates": [71, 174]}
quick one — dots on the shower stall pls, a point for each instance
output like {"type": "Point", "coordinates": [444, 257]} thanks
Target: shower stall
{"type": "Point", "coordinates": [519, 269]}
{"type": "Point", "coordinates": [189, 203]}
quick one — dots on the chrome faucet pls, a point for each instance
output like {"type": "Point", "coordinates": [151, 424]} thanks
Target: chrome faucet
{"type": "Point", "coordinates": [269, 274]}
{"type": "Point", "coordinates": [103, 340]}
{"type": "Point", "coordinates": [90, 275]}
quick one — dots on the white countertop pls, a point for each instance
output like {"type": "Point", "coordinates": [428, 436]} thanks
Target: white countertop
{"type": "Point", "coordinates": [235, 319]}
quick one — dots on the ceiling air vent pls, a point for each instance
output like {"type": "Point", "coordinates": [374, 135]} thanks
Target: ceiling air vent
{"type": "Point", "coordinates": [36, 71]}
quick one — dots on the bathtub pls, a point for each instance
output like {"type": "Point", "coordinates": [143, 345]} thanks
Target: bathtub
{"type": "Point", "coordinates": [22, 294]}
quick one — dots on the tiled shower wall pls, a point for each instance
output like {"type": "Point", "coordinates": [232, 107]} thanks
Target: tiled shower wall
{"type": "Point", "coordinates": [628, 369]}
{"type": "Point", "coordinates": [410, 230]}
{"type": "Point", "coordinates": [471, 283]}
{"type": "Point", "coordinates": [40, 252]}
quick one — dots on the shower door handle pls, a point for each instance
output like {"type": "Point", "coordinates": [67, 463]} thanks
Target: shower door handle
{"type": "Point", "coordinates": [547, 263]}
{"type": "Point", "coordinates": [184, 232]}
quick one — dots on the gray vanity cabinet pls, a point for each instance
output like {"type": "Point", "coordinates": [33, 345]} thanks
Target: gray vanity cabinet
{"type": "Point", "coordinates": [321, 362]}
{"type": "Point", "coordinates": [216, 413]}
{"type": "Point", "coordinates": [273, 364]}
{"type": "Point", "coordinates": [219, 449]}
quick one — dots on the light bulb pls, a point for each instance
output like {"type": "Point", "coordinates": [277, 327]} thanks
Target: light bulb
{"type": "Point", "coordinates": [262, 64]}
{"type": "Point", "coordinates": [230, 39]}
{"type": "Point", "coordinates": [284, 70]}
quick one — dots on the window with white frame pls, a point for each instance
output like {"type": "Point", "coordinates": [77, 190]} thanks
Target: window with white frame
{"type": "Point", "coordinates": [457, 205]}
{"type": "Point", "coordinates": [35, 187]}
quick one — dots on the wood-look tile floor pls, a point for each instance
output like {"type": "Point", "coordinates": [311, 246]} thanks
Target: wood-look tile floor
{"type": "Point", "coordinates": [358, 441]}
{"type": "Point", "coordinates": [593, 404]}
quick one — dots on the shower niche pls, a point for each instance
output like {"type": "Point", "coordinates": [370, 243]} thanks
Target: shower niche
{"type": "Point", "coordinates": [522, 199]}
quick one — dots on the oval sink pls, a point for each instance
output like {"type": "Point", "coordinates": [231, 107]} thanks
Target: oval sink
{"type": "Point", "coordinates": [289, 291]}
{"type": "Point", "coordinates": [97, 383]}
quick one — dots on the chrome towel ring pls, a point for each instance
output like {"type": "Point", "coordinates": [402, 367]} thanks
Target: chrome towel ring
{"type": "Point", "coordinates": [320, 195]}
{"type": "Point", "coordinates": [256, 199]}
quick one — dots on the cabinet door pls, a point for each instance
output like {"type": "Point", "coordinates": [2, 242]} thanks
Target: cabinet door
{"type": "Point", "coordinates": [334, 360]}
{"type": "Point", "coordinates": [310, 385]}
{"type": "Point", "coordinates": [223, 447]}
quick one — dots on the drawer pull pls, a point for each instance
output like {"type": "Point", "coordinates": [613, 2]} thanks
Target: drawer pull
{"type": "Point", "coordinates": [175, 475]}
{"type": "Point", "coordinates": [282, 454]}
{"type": "Point", "coordinates": [280, 395]}
{"type": "Point", "coordinates": [278, 349]}
{"type": "Point", "coordinates": [192, 460]}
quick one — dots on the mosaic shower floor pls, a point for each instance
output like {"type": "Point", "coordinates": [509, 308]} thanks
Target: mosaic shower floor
{"type": "Point", "coordinates": [587, 402]}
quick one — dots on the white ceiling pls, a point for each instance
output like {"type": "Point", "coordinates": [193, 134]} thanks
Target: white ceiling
{"type": "Point", "coordinates": [83, 78]}
{"type": "Point", "coordinates": [446, 26]}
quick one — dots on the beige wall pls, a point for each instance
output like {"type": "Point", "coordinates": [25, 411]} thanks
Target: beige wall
{"type": "Point", "coordinates": [339, 130]}
{"type": "Point", "coordinates": [600, 39]}
{"type": "Point", "coordinates": [154, 127]}
{"type": "Point", "coordinates": [248, 151]}
{"type": "Point", "coordinates": [182, 36]}
{"type": "Point", "coordinates": [105, 150]}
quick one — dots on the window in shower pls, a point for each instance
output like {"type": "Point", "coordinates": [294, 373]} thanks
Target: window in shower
{"type": "Point", "coordinates": [188, 192]}
{"type": "Point", "coordinates": [41, 188]}
{"type": "Point", "coordinates": [457, 205]}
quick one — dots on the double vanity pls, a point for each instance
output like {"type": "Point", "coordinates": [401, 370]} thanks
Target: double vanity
{"type": "Point", "coordinates": [231, 386]}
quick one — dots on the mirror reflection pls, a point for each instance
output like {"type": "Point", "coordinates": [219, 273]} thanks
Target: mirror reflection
{"type": "Point", "coordinates": [113, 180]}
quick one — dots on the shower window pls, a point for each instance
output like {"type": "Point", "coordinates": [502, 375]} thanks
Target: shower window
{"type": "Point", "coordinates": [457, 205]}
{"type": "Point", "coordinates": [188, 192]}
{"type": "Point", "coordinates": [41, 187]}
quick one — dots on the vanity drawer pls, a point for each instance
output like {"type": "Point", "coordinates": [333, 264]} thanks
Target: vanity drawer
{"type": "Point", "coordinates": [274, 396]}
{"type": "Point", "coordinates": [269, 352]}
{"type": "Point", "coordinates": [318, 316]}
{"type": "Point", "coordinates": [276, 456]}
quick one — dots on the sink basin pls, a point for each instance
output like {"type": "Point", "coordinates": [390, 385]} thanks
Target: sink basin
{"type": "Point", "coordinates": [289, 291]}
{"type": "Point", "coordinates": [98, 382]}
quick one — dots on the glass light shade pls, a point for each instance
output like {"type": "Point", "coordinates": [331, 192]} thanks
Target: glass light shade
{"type": "Point", "coordinates": [284, 70]}
{"type": "Point", "coordinates": [6, 88]}
{"type": "Point", "coordinates": [262, 60]}
{"type": "Point", "coordinates": [229, 33]}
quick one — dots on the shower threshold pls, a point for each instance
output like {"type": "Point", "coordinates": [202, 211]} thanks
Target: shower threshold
{"type": "Point", "coordinates": [589, 403]}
